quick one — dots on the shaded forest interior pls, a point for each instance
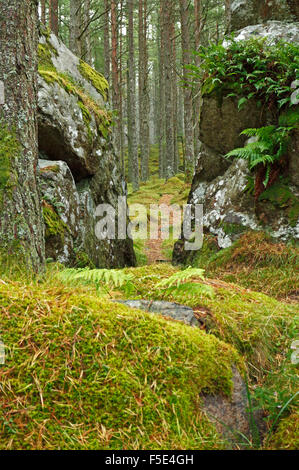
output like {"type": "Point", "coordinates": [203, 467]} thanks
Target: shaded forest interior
{"type": "Point", "coordinates": [143, 49]}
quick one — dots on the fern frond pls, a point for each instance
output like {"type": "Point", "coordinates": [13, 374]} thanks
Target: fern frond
{"type": "Point", "coordinates": [178, 278]}
{"type": "Point", "coordinates": [189, 291]}
{"type": "Point", "coordinates": [93, 276]}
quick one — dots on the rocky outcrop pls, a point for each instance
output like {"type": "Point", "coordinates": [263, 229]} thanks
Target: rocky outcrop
{"type": "Point", "coordinates": [222, 121]}
{"type": "Point", "coordinates": [252, 12]}
{"type": "Point", "coordinates": [231, 416]}
{"type": "Point", "coordinates": [225, 188]}
{"type": "Point", "coordinates": [273, 31]}
{"type": "Point", "coordinates": [166, 309]}
{"type": "Point", "coordinates": [78, 169]}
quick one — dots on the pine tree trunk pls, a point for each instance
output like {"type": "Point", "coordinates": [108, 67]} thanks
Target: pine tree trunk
{"type": "Point", "coordinates": [188, 111]}
{"type": "Point", "coordinates": [43, 11]}
{"type": "Point", "coordinates": [75, 25]}
{"type": "Point", "coordinates": [196, 97]}
{"type": "Point", "coordinates": [228, 16]}
{"type": "Point", "coordinates": [107, 55]}
{"type": "Point", "coordinates": [174, 90]}
{"type": "Point", "coordinates": [53, 15]}
{"type": "Point", "coordinates": [121, 111]}
{"type": "Point", "coordinates": [87, 39]}
{"type": "Point", "coordinates": [167, 16]}
{"type": "Point", "coordinates": [131, 100]}
{"type": "Point", "coordinates": [21, 224]}
{"type": "Point", "coordinates": [162, 124]}
{"type": "Point", "coordinates": [143, 91]}
{"type": "Point", "coordinates": [115, 72]}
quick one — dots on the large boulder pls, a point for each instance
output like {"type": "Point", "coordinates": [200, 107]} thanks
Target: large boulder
{"type": "Point", "coordinates": [225, 188]}
{"type": "Point", "coordinates": [79, 169]}
{"type": "Point", "coordinates": [222, 121]}
{"type": "Point", "coordinates": [252, 12]}
{"type": "Point", "coordinates": [230, 210]}
{"type": "Point", "coordinates": [273, 31]}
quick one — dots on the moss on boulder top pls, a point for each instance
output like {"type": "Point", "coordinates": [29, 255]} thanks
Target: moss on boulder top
{"type": "Point", "coordinates": [75, 132]}
{"type": "Point", "coordinates": [134, 377]}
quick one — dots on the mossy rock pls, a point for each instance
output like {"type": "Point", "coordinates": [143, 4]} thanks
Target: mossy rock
{"type": "Point", "coordinates": [54, 225]}
{"type": "Point", "coordinates": [135, 377]}
{"type": "Point", "coordinates": [286, 436]}
{"type": "Point", "coordinates": [95, 78]}
{"type": "Point", "coordinates": [282, 197]}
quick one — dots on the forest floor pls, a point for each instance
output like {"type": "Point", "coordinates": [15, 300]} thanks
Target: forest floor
{"type": "Point", "coordinates": [155, 248]}
{"type": "Point", "coordinates": [69, 342]}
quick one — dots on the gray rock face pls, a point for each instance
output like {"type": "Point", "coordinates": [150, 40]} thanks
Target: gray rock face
{"type": "Point", "coordinates": [252, 12]}
{"type": "Point", "coordinates": [222, 186]}
{"type": "Point", "coordinates": [79, 168]}
{"type": "Point", "coordinates": [229, 210]}
{"type": "Point", "coordinates": [210, 164]}
{"type": "Point", "coordinates": [222, 122]}
{"type": "Point", "coordinates": [167, 309]}
{"type": "Point", "coordinates": [62, 121]}
{"type": "Point", "coordinates": [294, 161]}
{"type": "Point", "coordinates": [274, 31]}
{"type": "Point", "coordinates": [60, 208]}
{"type": "Point", "coordinates": [231, 416]}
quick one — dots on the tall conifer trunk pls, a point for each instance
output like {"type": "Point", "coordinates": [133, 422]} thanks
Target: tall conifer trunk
{"type": "Point", "coordinates": [21, 224]}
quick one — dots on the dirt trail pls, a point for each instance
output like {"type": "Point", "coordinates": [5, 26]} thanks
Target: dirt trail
{"type": "Point", "coordinates": [154, 248]}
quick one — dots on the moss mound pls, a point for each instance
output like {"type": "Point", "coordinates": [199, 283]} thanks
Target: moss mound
{"type": "Point", "coordinates": [255, 261]}
{"type": "Point", "coordinates": [258, 326]}
{"type": "Point", "coordinates": [81, 373]}
{"type": "Point", "coordinates": [286, 436]}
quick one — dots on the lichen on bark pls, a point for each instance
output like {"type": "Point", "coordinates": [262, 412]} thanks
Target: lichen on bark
{"type": "Point", "coordinates": [21, 224]}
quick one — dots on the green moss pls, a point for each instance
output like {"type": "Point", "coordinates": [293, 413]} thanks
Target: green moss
{"type": "Point", "coordinates": [95, 78]}
{"type": "Point", "coordinates": [286, 436]}
{"type": "Point", "coordinates": [135, 377]}
{"type": "Point", "coordinates": [233, 229]}
{"type": "Point", "coordinates": [53, 168]}
{"type": "Point", "coordinates": [83, 261]}
{"type": "Point", "coordinates": [9, 150]}
{"type": "Point", "coordinates": [54, 225]}
{"type": "Point", "coordinates": [255, 324]}
{"type": "Point", "coordinates": [86, 118]}
{"type": "Point", "coordinates": [86, 103]}
{"type": "Point", "coordinates": [281, 196]}
{"type": "Point", "coordinates": [255, 261]}
{"type": "Point", "coordinates": [45, 56]}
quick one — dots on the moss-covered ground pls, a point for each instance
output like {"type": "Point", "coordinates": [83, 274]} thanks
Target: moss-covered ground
{"type": "Point", "coordinates": [83, 373]}
{"type": "Point", "coordinates": [254, 307]}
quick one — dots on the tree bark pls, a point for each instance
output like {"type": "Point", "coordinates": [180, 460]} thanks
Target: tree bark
{"type": "Point", "coordinates": [162, 124]}
{"type": "Point", "coordinates": [75, 25]}
{"type": "Point", "coordinates": [228, 16]}
{"type": "Point", "coordinates": [43, 11]}
{"type": "Point", "coordinates": [196, 97]}
{"type": "Point", "coordinates": [21, 223]}
{"type": "Point", "coordinates": [131, 101]}
{"type": "Point", "coordinates": [115, 72]}
{"type": "Point", "coordinates": [53, 15]}
{"type": "Point", "coordinates": [87, 37]}
{"type": "Point", "coordinates": [107, 55]}
{"type": "Point", "coordinates": [143, 91]}
{"type": "Point", "coordinates": [188, 111]}
{"type": "Point", "coordinates": [167, 16]}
